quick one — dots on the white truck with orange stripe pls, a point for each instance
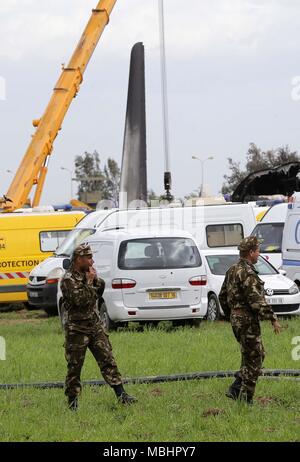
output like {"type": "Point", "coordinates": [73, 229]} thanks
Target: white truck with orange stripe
{"type": "Point", "coordinates": [26, 239]}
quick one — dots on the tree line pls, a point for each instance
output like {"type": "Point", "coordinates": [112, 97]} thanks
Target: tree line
{"type": "Point", "coordinates": [104, 183]}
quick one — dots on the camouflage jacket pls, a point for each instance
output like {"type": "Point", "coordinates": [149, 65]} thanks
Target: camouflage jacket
{"type": "Point", "coordinates": [80, 297]}
{"type": "Point", "coordinates": [243, 289]}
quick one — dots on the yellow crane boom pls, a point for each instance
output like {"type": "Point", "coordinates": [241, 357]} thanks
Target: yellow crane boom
{"type": "Point", "coordinates": [33, 168]}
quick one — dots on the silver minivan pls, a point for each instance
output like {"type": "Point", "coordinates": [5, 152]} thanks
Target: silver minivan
{"type": "Point", "coordinates": [149, 276]}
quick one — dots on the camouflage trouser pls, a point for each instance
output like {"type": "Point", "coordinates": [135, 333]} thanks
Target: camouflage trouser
{"type": "Point", "coordinates": [76, 344]}
{"type": "Point", "coordinates": [247, 332]}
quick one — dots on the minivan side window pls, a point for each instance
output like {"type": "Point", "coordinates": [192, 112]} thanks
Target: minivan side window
{"type": "Point", "coordinates": [225, 235]}
{"type": "Point", "coordinates": [50, 240]}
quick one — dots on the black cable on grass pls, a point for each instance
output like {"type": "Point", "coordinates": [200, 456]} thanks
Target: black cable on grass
{"type": "Point", "coordinates": [280, 373]}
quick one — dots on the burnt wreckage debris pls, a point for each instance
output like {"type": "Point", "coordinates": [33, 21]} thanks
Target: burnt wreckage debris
{"type": "Point", "coordinates": [284, 179]}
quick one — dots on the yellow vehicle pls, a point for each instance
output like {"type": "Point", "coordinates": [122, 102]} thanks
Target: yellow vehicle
{"type": "Point", "coordinates": [33, 168]}
{"type": "Point", "coordinates": [26, 239]}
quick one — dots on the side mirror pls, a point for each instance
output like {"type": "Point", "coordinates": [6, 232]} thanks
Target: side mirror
{"type": "Point", "coordinates": [66, 263]}
{"type": "Point", "coordinates": [282, 271]}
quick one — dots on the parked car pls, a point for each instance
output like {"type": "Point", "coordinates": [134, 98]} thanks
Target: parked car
{"type": "Point", "coordinates": [281, 292]}
{"type": "Point", "coordinates": [149, 276]}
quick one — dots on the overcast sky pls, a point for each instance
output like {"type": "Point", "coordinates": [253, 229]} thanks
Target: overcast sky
{"type": "Point", "coordinates": [230, 67]}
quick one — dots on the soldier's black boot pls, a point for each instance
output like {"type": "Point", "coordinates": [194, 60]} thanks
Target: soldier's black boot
{"type": "Point", "coordinates": [73, 403]}
{"type": "Point", "coordinates": [246, 398]}
{"type": "Point", "coordinates": [122, 396]}
{"type": "Point", "coordinates": [233, 391]}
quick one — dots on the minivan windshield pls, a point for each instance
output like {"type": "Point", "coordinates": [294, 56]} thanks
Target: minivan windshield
{"type": "Point", "coordinates": [271, 235]}
{"type": "Point", "coordinates": [158, 253]}
{"type": "Point", "coordinates": [75, 237]}
{"type": "Point", "coordinates": [219, 264]}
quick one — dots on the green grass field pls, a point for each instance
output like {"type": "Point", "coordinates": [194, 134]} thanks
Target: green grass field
{"type": "Point", "coordinates": [183, 411]}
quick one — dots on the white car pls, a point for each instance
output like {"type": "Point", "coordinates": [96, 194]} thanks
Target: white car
{"type": "Point", "coordinates": [150, 275]}
{"type": "Point", "coordinates": [281, 292]}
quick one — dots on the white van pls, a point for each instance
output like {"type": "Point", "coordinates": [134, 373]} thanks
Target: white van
{"type": "Point", "coordinates": [270, 230]}
{"type": "Point", "coordinates": [211, 226]}
{"type": "Point", "coordinates": [148, 276]}
{"type": "Point", "coordinates": [291, 240]}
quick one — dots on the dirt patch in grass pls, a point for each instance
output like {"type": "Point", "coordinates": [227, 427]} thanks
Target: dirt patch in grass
{"type": "Point", "coordinates": [265, 400]}
{"type": "Point", "coordinates": [22, 316]}
{"type": "Point", "coordinates": [157, 392]}
{"type": "Point", "coordinates": [14, 321]}
{"type": "Point", "coordinates": [212, 412]}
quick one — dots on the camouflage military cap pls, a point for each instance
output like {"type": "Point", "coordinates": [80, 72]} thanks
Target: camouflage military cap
{"type": "Point", "coordinates": [249, 243]}
{"type": "Point", "coordinates": [82, 250]}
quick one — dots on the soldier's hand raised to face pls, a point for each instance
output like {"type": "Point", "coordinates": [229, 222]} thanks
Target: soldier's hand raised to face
{"type": "Point", "coordinates": [91, 274]}
{"type": "Point", "coordinates": [276, 327]}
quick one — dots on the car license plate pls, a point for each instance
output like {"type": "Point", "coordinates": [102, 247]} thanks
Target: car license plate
{"type": "Point", "coordinates": [276, 301]}
{"type": "Point", "coordinates": [162, 295]}
{"type": "Point", "coordinates": [33, 294]}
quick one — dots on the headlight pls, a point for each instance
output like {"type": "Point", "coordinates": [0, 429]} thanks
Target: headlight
{"type": "Point", "coordinates": [54, 276]}
{"type": "Point", "coordinates": [294, 289]}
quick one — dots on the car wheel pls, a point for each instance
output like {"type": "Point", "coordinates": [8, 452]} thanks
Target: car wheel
{"type": "Point", "coordinates": [105, 319]}
{"type": "Point", "coordinates": [213, 308]}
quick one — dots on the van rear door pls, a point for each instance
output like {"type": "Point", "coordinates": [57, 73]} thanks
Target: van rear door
{"type": "Point", "coordinates": [163, 271]}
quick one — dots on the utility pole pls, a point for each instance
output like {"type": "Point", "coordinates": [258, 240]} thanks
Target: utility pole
{"type": "Point", "coordinates": [167, 174]}
{"type": "Point", "coordinates": [202, 171]}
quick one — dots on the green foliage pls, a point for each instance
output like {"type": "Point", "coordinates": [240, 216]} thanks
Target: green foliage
{"type": "Point", "coordinates": [92, 179]}
{"type": "Point", "coordinates": [88, 172]}
{"type": "Point", "coordinates": [256, 159]}
{"type": "Point", "coordinates": [111, 187]}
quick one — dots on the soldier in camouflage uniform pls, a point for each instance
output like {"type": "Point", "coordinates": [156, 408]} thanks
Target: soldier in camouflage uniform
{"type": "Point", "coordinates": [243, 302]}
{"type": "Point", "coordinates": [81, 288]}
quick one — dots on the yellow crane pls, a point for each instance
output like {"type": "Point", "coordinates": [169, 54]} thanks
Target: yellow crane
{"type": "Point", "coordinates": [33, 168]}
